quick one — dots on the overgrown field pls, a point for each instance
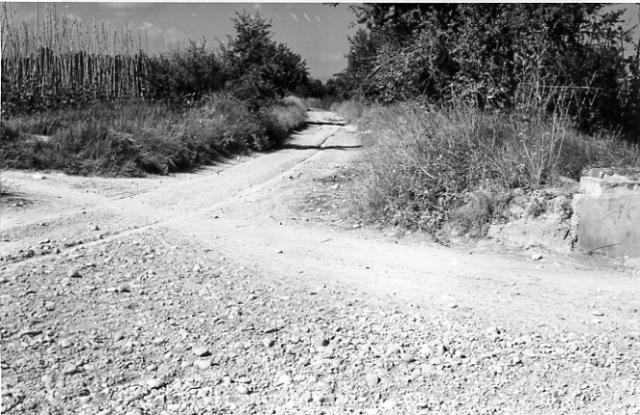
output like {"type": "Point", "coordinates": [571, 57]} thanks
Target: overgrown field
{"type": "Point", "coordinates": [131, 139]}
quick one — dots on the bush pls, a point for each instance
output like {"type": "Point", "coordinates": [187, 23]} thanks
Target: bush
{"type": "Point", "coordinates": [424, 163]}
{"type": "Point", "coordinates": [281, 120]}
{"type": "Point", "coordinates": [484, 53]}
{"type": "Point", "coordinates": [156, 138]}
{"type": "Point", "coordinates": [292, 100]}
{"type": "Point", "coordinates": [187, 74]}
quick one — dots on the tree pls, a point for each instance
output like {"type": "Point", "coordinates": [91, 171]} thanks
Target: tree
{"type": "Point", "coordinates": [184, 74]}
{"type": "Point", "coordinates": [258, 68]}
{"type": "Point", "coordinates": [486, 53]}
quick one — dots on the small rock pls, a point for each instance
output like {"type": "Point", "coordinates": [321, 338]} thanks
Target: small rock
{"type": "Point", "coordinates": [157, 383]}
{"type": "Point", "coordinates": [323, 342]}
{"type": "Point", "coordinates": [516, 360]}
{"type": "Point", "coordinates": [47, 381]}
{"type": "Point", "coordinates": [243, 390]}
{"type": "Point", "coordinates": [268, 342]}
{"type": "Point", "coordinates": [74, 273]}
{"type": "Point", "coordinates": [202, 364]}
{"type": "Point", "coordinates": [284, 379]}
{"type": "Point", "coordinates": [201, 351]}
{"type": "Point", "coordinates": [324, 398]}
{"type": "Point", "coordinates": [38, 176]}
{"type": "Point", "coordinates": [70, 369]}
{"type": "Point", "coordinates": [372, 379]}
{"type": "Point", "coordinates": [535, 256]}
{"type": "Point", "coordinates": [49, 306]}
{"type": "Point", "coordinates": [408, 358]}
{"type": "Point", "coordinates": [598, 313]}
{"type": "Point", "coordinates": [493, 331]}
{"type": "Point", "coordinates": [64, 343]}
{"type": "Point", "coordinates": [95, 228]}
{"type": "Point", "coordinates": [393, 349]}
{"type": "Point", "coordinates": [123, 289]}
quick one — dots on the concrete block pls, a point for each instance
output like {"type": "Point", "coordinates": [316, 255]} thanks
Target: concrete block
{"type": "Point", "coordinates": [607, 214]}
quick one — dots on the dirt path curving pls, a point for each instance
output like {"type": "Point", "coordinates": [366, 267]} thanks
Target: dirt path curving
{"type": "Point", "coordinates": [163, 262]}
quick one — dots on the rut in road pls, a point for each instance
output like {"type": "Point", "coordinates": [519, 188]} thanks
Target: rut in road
{"type": "Point", "coordinates": [168, 203]}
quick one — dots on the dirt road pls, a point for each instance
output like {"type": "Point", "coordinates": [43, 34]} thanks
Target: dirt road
{"type": "Point", "coordinates": [241, 288]}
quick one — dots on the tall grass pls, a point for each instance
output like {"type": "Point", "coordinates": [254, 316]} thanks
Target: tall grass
{"type": "Point", "coordinates": [137, 138]}
{"type": "Point", "coordinates": [280, 120]}
{"type": "Point", "coordinates": [424, 163]}
{"type": "Point", "coordinates": [59, 60]}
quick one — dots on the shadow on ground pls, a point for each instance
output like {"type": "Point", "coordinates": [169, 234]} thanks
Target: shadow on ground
{"type": "Point", "coordinates": [317, 147]}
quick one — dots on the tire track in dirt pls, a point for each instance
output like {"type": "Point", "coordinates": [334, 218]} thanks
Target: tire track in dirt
{"type": "Point", "coordinates": [133, 206]}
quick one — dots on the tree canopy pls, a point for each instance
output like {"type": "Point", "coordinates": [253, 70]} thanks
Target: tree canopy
{"type": "Point", "coordinates": [256, 66]}
{"type": "Point", "coordinates": [487, 54]}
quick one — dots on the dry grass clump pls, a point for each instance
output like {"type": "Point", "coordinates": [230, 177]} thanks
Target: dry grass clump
{"type": "Point", "coordinates": [424, 163]}
{"type": "Point", "coordinates": [292, 100]}
{"type": "Point", "coordinates": [280, 120]}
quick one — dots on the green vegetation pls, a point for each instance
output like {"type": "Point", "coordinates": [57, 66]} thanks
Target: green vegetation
{"type": "Point", "coordinates": [134, 138]}
{"type": "Point", "coordinates": [483, 54]}
{"type": "Point", "coordinates": [424, 165]}
{"type": "Point", "coordinates": [83, 99]}
{"type": "Point", "coordinates": [469, 104]}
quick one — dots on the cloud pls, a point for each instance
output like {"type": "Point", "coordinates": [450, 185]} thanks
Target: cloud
{"type": "Point", "coordinates": [160, 39]}
{"type": "Point", "coordinates": [72, 16]}
{"type": "Point", "coordinates": [307, 18]}
{"type": "Point", "coordinates": [317, 18]}
{"type": "Point", "coordinates": [294, 17]}
{"type": "Point", "coordinates": [173, 36]}
{"type": "Point", "coordinates": [326, 56]}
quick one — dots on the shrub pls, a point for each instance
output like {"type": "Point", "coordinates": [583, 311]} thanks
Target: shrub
{"type": "Point", "coordinates": [280, 120]}
{"type": "Point", "coordinates": [292, 100]}
{"type": "Point", "coordinates": [184, 74]}
{"type": "Point", "coordinates": [483, 53]}
{"type": "Point", "coordinates": [157, 138]}
{"type": "Point", "coordinates": [424, 163]}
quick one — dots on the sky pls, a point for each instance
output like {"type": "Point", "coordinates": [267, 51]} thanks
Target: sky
{"type": "Point", "coordinates": [318, 32]}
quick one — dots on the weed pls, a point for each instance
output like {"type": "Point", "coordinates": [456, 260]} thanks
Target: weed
{"type": "Point", "coordinates": [138, 138]}
{"type": "Point", "coordinates": [427, 166]}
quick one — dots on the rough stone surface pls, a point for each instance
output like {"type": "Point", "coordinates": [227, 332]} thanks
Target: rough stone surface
{"type": "Point", "coordinates": [346, 321]}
